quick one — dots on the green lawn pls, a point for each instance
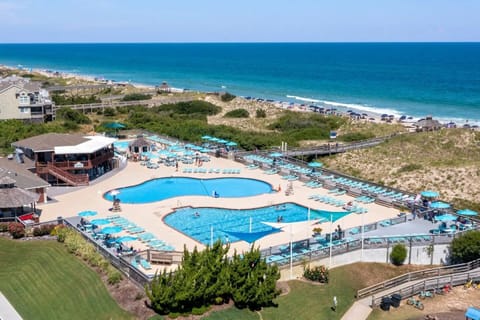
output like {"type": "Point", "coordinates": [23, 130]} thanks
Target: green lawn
{"type": "Point", "coordinates": [306, 301]}
{"type": "Point", "coordinates": [43, 281]}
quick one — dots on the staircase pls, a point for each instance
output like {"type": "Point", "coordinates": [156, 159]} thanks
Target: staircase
{"type": "Point", "coordinates": [67, 177]}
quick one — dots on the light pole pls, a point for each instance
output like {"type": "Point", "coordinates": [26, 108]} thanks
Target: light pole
{"type": "Point", "coordinates": [291, 252]}
{"type": "Point", "coordinates": [331, 236]}
{"type": "Point", "coordinates": [363, 227]}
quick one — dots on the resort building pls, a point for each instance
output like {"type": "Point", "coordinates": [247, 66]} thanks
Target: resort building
{"type": "Point", "coordinates": [24, 100]}
{"type": "Point", "coordinates": [67, 159]}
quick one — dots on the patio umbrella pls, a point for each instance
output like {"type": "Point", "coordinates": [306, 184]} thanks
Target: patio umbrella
{"type": "Point", "coordinates": [111, 230]}
{"type": "Point", "coordinates": [429, 194]}
{"type": "Point", "coordinates": [467, 212]}
{"type": "Point", "coordinates": [204, 150]}
{"type": "Point", "coordinates": [114, 125]}
{"type": "Point", "coordinates": [222, 141]}
{"type": "Point", "coordinates": [275, 155]}
{"type": "Point", "coordinates": [100, 222]}
{"type": "Point", "coordinates": [231, 144]}
{"type": "Point", "coordinates": [315, 164]}
{"type": "Point", "coordinates": [439, 205]}
{"type": "Point", "coordinates": [446, 218]}
{"type": "Point", "coordinates": [87, 213]}
{"type": "Point", "coordinates": [206, 137]}
{"type": "Point", "coordinates": [126, 239]}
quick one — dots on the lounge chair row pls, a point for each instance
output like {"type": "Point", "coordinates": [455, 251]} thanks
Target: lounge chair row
{"type": "Point", "coordinates": [328, 200]}
{"type": "Point", "coordinates": [313, 184]}
{"type": "Point", "coordinates": [211, 170]}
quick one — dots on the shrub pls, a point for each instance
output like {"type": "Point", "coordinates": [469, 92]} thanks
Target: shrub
{"type": "Point", "coordinates": [114, 276]}
{"type": "Point", "coordinates": [260, 113]}
{"type": "Point", "coordinates": [237, 113]}
{"type": "Point", "coordinates": [71, 115]}
{"type": "Point", "coordinates": [398, 254]}
{"type": "Point", "coordinates": [3, 227]}
{"type": "Point", "coordinates": [136, 97]}
{"type": "Point", "coordinates": [16, 229]}
{"type": "Point", "coordinates": [109, 112]}
{"type": "Point", "coordinates": [318, 274]}
{"type": "Point", "coordinates": [410, 167]}
{"type": "Point", "coordinates": [356, 136]}
{"type": "Point", "coordinates": [466, 247]}
{"type": "Point", "coordinates": [226, 97]}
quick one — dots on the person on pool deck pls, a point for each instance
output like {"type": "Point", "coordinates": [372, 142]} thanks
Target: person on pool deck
{"type": "Point", "coordinates": [215, 194]}
{"type": "Point", "coordinates": [197, 214]}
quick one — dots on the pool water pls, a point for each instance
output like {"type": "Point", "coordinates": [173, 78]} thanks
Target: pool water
{"type": "Point", "coordinates": [230, 225]}
{"type": "Point", "coordinates": [165, 188]}
{"type": "Point", "coordinates": [122, 145]}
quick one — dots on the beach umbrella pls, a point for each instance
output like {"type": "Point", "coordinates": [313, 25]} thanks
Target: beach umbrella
{"type": "Point", "coordinates": [446, 218]}
{"type": "Point", "coordinates": [315, 164]}
{"type": "Point", "coordinates": [429, 194]}
{"type": "Point", "coordinates": [114, 125]}
{"type": "Point", "coordinates": [206, 137]}
{"type": "Point", "coordinates": [99, 222]}
{"type": "Point", "coordinates": [213, 139]}
{"type": "Point", "coordinates": [231, 144]}
{"type": "Point", "coordinates": [126, 239]}
{"type": "Point", "coordinates": [439, 205]}
{"type": "Point", "coordinates": [87, 213]}
{"type": "Point", "coordinates": [222, 141]}
{"type": "Point", "coordinates": [275, 155]}
{"type": "Point", "coordinates": [111, 230]}
{"type": "Point", "coordinates": [467, 212]}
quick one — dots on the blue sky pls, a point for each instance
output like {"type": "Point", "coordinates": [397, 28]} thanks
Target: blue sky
{"type": "Point", "coordinates": [238, 21]}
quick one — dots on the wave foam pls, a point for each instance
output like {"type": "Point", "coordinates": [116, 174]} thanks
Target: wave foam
{"type": "Point", "coordinates": [303, 99]}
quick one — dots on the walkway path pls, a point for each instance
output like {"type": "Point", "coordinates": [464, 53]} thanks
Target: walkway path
{"type": "Point", "coordinates": [361, 309]}
{"type": "Point", "coordinates": [7, 311]}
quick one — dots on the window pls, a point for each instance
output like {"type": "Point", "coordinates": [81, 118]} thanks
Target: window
{"type": "Point", "coordinates": [24, 110]}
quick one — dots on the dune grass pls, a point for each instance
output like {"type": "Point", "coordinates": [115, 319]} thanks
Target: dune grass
{"type": "Point", "coordinates": [43, 281]}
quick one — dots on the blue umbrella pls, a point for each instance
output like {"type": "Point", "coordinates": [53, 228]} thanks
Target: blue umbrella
{"type": "Point", "coordinates": [315, 164]}
{"type": "Point", "coordinates": [111, 230]}
{"type": "Point", "coordinates": [115, 125]}
{"type": "Point", "coordinates": [87, 213]}
{"type": "Point", "coordinates": [222, 141]}
{"type": "Point", "coordinates": [275, 155]}
{"type": "Point", "coordinates": [231, 144]}
{"type": "Point", "coordinates": [439, 205]}
{"type": "Point", "coordinates": [446, 218]}
{"type": "Point", "coordinates": [126, 239]}
{"type": "Point", "coordinates": [467, 212]}
{"type": "Point", "coordinates": [100, 222]}
{"type": "Point", "coordinates": [206, 137]}
{"type": "Point", "coordinates": [429, 194]}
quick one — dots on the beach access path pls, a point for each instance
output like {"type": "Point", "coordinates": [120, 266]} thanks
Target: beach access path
{"type": "Point", "coordinates": [7, 311]}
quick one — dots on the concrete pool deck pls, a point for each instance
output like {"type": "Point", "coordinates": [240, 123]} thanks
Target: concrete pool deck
{"type": "Point", "coordinates": [149, 216]}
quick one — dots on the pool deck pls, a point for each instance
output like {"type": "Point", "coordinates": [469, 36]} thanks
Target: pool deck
{"type": "Point", "coordinates": [149, 216]}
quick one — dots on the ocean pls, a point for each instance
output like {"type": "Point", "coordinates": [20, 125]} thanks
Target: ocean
{"type": "Point", "coordinates": [413, 79]}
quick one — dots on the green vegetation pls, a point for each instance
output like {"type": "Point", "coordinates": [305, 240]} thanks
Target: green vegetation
{"type": "Point", "coordinates": [317, 274]}
{"type": "Point", "coordinates": [466, 247]}
{"type": "Point", "coordinates": [69, 114]}
{"type": "Point", "coordinates": [208, 277]}
{"type": "Point", "coordinates": [227, 97]}
{"type": "Point", "coordinates": [398, 254]}
{"type": "Point", "coordinates": [409, 168]}
{"type": "Point", "coordinates": [306, 126]}
{"type": "Point", "coordinates": [356, 136]}
{"type": "Point", "coordinates": [136, 97]}
{"type": "Point", "coordinates": [61, 100]}
{"type": "Point", "coordinates": [260, 113]}
{"type": "Point", "coordinates": [109, 112]}
{"type": "Point", "coordinates": [43, 281]}
{"type": "Point", "coordinates": [237, 113]}
{"type": "Point", "coordinates": [306, 301]}
{"type": "Point", "coordinates": [196, 107]}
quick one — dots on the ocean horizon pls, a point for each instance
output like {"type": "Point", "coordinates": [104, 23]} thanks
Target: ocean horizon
{"type": "Point", "coordinates": [414, 79]}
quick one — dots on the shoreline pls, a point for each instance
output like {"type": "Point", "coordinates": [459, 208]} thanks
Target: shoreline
{"type": "Point", "coordinates": [332, 107]}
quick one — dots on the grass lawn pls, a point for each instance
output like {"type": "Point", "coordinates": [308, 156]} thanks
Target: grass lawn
{"type": "Point", "coordinates": [307, 301]}
{"type": "Point", "coordinates": [43, 281]}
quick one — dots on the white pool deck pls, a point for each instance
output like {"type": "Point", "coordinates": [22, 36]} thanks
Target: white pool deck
{"type": "Point", "coordinates": [149, 216]}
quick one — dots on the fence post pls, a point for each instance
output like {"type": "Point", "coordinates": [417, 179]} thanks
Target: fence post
{"type": "Point", "coordinates": [410, 251]}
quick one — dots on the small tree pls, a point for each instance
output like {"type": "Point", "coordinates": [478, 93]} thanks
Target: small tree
{"type": "Point", "coordinates": [398, 255]}
{"type": "Point", "coordinates": [260, 113]}
{"type": "Point", "coordinates": [466, 247]}
{"type": "Point", "coordinates": [237, 113]}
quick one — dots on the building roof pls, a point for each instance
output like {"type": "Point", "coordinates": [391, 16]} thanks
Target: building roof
{"type": "Point", "coordinates": [140, 142]}
{"type": "Point", "coordinates": [19, 172]}
{"type": "Point", "coordinates": [48, 141]}
{"type": "Point", "coordinates": [16, 197]}
{"type": "Point", "coordinates": [93, 143]}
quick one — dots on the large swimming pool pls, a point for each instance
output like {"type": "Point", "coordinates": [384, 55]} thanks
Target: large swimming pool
{"type": "Point", "coordinates": [229, 225]}
{"type": "Point", "coordinates": [165, 188]}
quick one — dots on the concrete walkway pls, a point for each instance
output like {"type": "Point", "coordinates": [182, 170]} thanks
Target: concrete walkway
{"type": "Point", "coordinates": [7, 311]}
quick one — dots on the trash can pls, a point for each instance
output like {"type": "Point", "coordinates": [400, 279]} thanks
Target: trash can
{"type": "Point", "coordinates": [395, 300]}
{"type": "Point", "coordinates": [385, 304]}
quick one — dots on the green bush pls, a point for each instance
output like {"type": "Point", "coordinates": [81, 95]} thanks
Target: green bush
{"type": "Point", "coordinates": [71, 115]}
{"type": "Point", "coordinates": [398, 254]}
{"type": "Point", "coordinates": [318, 274]}
{"type": "Point", "coordinates": [113, 276]}
{"type": "Point", "coordinates": [226, 97]}
{"type": "Point", "coordinates": [237, 113]}
{"type": "Point", "coordinates": [3, 227]}
{"type": "Point", "coordinates": [136, 97]}
{"type": "Point", "coordinates": [61, 100]}
{"type": "Point", "coordinates": [109, 112]}
{"type": "Point", "coordinates": [410, 167]}
{"type": "Point", "coordinates": [260, 113]}
{"type": "Point", "coordinates": [16, 229]}
{"type": "Point", "coordinates": [466, 247]}
{"type": "Point", "coordinates": [355, 136]}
